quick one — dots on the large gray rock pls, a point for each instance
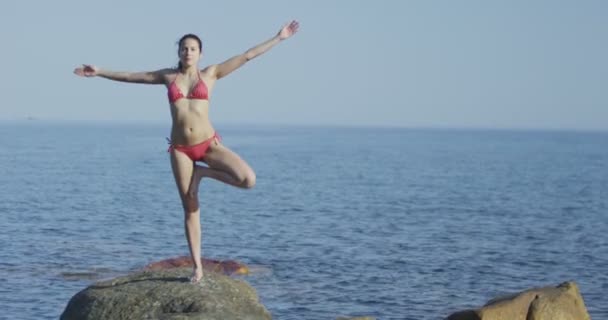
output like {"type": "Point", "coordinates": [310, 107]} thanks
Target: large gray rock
{"type": "Point", "coordinates": [166, 295]}
{"type": "Point", "coordinates": [563, 302]}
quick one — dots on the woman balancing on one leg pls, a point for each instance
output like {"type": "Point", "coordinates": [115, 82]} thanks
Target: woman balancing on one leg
{"type": "Point", "coordinates": [192, 135]}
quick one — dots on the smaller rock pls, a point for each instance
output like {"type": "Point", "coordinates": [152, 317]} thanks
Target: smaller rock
{"type": "Point", "coordinates": [563, 302]}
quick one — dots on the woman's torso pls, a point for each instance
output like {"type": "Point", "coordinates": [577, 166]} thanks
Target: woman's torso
{"type": "Point", "coordinates": [190, 112]}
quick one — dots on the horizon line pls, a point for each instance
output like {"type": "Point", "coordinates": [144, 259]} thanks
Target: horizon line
{"type": "Point", "coordinates": [294, 124]}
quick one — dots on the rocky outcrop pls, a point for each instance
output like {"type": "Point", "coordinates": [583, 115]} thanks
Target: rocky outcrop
{"type": "Point", "coordinates": [166, 295]}
{"type": "Point", "coordinates": [226, 267]}
{"type": "Point", "coordinates": [563, 302]}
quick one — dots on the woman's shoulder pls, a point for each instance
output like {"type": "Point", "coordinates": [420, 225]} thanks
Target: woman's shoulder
{"type": "Point", "coordinates": [167, 74]}
{"type": "Point", "coordinates": [210, 69]}
{"type": "Point", "coordinates": [168, 71]}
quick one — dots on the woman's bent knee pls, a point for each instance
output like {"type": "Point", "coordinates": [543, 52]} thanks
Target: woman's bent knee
{"type": "Point", "coordinates": [190, 203]}
{"type": "Point", "coordinates": [249, 181]}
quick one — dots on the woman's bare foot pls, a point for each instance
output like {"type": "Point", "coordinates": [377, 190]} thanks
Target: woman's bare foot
{"type": "Point", "coordinates": [197, 176]}
{"type": "Point", "coordinates": [197, 275]}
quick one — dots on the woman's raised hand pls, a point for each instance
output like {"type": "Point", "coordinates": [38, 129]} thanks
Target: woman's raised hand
{"type": "Point", "coordinates": [86, 70]}
{"type": "Point", "coordinates": [289, 30]}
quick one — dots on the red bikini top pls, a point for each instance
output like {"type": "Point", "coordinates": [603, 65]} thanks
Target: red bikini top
{"type": "Point", "coordinates": [199, 91]}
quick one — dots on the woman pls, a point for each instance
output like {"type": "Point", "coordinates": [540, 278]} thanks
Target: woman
{"type": "Point", "coordinates": [192, 135]}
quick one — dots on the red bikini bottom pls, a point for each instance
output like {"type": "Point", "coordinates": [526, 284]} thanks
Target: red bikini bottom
{"type": "Point", "coordinates": [195, 152]}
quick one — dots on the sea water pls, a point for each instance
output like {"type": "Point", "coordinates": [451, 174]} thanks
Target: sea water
{"type": "Point", "coordinates": [386, 222]}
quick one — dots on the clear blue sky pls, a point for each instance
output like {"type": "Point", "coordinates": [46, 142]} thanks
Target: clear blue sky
{"type": "Point", "coordinates": [488, 64]}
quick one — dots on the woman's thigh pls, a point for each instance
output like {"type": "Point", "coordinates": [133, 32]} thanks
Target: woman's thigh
{"type": "Point", "coordinates": [220, 157]}
{"type": "Point", "coordinates": [183, 167]}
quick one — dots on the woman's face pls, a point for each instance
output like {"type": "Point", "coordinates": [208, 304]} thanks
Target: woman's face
{"type": "Point", "coordinates": [189, 52]}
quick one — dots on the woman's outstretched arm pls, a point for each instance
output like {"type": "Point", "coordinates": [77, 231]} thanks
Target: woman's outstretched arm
{"type": "Point", "coordinates": [226, 67]}
{"type": "Point", "coordinates": [148, 77]}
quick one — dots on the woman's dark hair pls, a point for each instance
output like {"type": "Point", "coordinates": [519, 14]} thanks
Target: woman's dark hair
{"type": "Point", "coordinates": [181, 42]}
